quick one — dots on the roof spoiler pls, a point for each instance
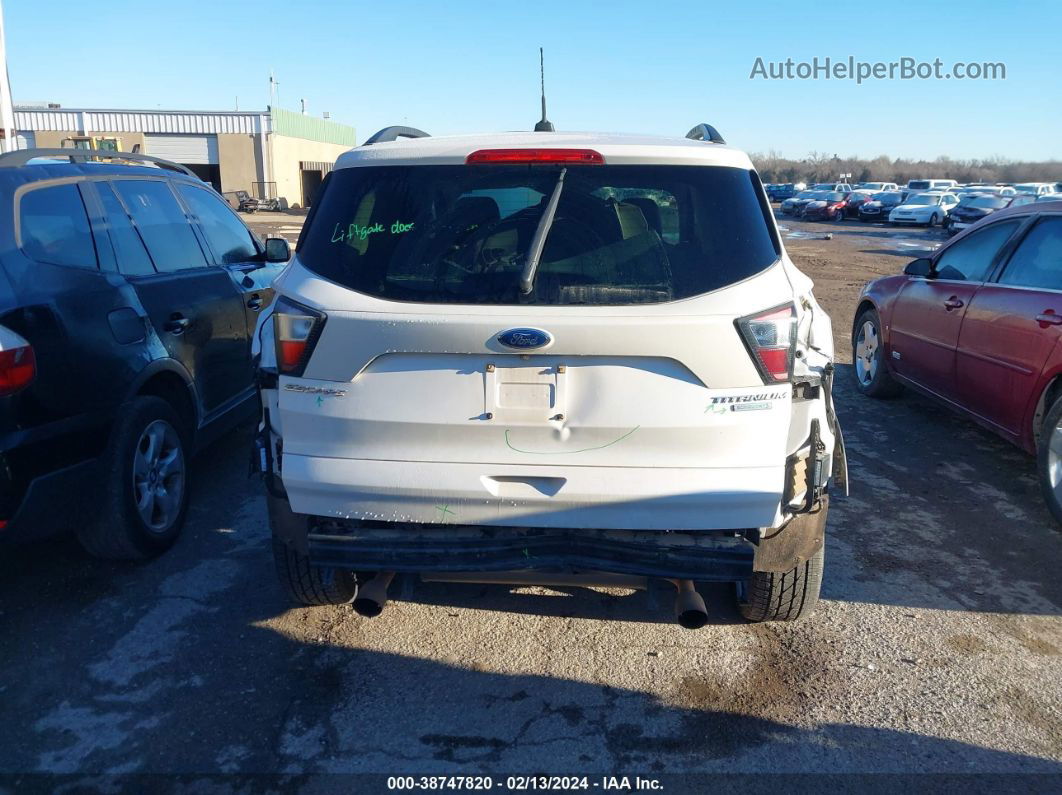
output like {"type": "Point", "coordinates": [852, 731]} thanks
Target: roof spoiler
{"type": "Point", "coordinates": [394, 133]}
{"type": "Point", "coordinates": [22, 157]}
{"type": "Point", "coordinates": [707, 133]}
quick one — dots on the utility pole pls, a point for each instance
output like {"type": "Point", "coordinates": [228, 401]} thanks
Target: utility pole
{"type": "Point", "coordinates": [274, 90]}
{"type": "Point", "coordinates": [7, 111]}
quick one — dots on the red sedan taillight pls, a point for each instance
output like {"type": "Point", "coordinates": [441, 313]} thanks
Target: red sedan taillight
{"type": "Point", "coordinates": [770, 337]}
{"type": "Point", "coordinates": [18, 368]}
{"type": "Point", "coordinates": [296, 329]}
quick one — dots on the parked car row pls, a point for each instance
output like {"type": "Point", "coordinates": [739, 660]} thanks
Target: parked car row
{"type": "Point", "coordinates": [129, 294]}
{"type": "Point", "coordinates": [781, 191]}
{"type": "Point", "coordinates": [924, 202]}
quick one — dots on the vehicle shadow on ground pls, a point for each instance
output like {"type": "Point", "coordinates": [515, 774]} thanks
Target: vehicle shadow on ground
{"type": "Point", "coordinates": [652, 606]}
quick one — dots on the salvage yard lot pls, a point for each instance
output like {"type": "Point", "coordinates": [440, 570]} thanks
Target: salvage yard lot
{"type": "Point", "coordinates": [937, 648]}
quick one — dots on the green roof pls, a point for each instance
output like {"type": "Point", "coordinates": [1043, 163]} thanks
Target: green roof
{"type": "Point", "coordinates": [297, 125]}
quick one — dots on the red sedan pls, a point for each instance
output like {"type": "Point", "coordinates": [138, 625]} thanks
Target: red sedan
{"type": "Point", "coordinates": [831, 206]}
{"type": "Point", "coordinates": [978, 326]}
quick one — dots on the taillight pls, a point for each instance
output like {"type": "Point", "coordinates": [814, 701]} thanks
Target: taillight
{"type": "Point", "coordinates": [18, 368]}
{"type": "Point", "coordinates": [770, 337]}
{"type": "Point", "coordinates": [296, 329]}
{"type": "Point", "coordinates": [572, 157]}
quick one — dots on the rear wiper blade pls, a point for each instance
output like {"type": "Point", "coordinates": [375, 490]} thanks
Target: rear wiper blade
{"type": "Point", "coordinates": [538, 242]}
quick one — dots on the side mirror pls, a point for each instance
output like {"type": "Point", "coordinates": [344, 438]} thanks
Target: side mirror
{"type": "Point", "coordinates": [919, 267]}
{"type": "Point", "coordinates": [277, 250]}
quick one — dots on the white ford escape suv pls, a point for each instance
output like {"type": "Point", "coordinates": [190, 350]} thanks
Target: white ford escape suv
{"type": "Point", "coordinates": [548, 357]}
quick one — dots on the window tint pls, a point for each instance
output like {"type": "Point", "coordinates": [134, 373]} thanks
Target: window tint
{"type": "Point", "coordinates": [970, 259]}
{"type": "Point", "coordinates": [55, 228]}
{"type": "Point", "coordinates": [133, 259]}
{"type": "Point", "coordinates": [461, 234]}
{"type": "Point", "coordinates": [162, 224]}
{"type": "Point", "coordinates": [225, 233]}
{"type": "Point", "coordinates": [1037, 262]}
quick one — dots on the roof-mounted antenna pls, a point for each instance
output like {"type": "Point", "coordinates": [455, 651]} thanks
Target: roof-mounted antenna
{"type": "Point", "coordinates": [543, 125]}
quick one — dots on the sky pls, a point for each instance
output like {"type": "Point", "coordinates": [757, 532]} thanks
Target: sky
{"type": "Point", "coordinates": [654, 66]}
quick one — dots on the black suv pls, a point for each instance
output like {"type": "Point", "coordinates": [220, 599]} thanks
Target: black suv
{"type": "Point", "coordinates": [129, 295]}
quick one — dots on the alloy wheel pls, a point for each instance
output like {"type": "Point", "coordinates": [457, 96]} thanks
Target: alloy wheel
{"type": "Point", "coordinates": [159, 476]}
{"type": "Point", "coordinates": [1054, 460]}
{"type": "Point", "coordinates": [867, 349]}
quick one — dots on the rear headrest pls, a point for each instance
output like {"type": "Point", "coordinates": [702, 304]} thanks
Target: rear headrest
{"type": "Point", "coordinates": [477, 209]}
{"type": "Point", "coordinates": [651, 210]}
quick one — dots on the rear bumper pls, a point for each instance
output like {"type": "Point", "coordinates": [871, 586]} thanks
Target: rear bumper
{"type": "Point", "coordinates": [433, 548]}
{"type": "Point", "coordinates": [569, 497]}
{"type": "Point", "coordinates": [52, 503]}
{"type": "Point", "coordinates": [47, 475]}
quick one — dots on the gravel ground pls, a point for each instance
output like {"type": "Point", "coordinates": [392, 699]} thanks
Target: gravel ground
{"type": "Point", "coordinates": [937, 648]}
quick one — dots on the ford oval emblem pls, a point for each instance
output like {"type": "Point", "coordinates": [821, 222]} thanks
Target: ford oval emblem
{"type": "Point", "coordinates": [525, 338]}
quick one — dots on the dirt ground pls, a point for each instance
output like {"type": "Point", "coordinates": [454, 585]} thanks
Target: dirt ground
{"type": "Point", "coordinates": [937, 648]}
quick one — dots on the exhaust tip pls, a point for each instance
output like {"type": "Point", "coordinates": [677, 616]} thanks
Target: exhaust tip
{"type": "Point", "coordinates": [372, 596]}
{"type": "Point", "coordinates": [369, 608]}
{"type": "Point", "coordinates": [692, 619]}
{"type": "Point", "coordinates": [689, 606]}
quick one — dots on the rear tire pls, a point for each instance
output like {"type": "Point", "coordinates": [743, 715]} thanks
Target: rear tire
{"type": "Point", "coordinates": [144, 484]}
{"type": "Point", "coordinates": [872, 375]}
{"type": "Point", "coordinates": [1049, 460]}
{"type": "Point", "coordinates": [770, 596]}
{"type": "Point", "coordinates": [312, 585]}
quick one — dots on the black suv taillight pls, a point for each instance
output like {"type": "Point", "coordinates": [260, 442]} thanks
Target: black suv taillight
{"type": "Point", "coordinates": [770, 337]}
{"type": "Point", "coordinates": [296, 329]}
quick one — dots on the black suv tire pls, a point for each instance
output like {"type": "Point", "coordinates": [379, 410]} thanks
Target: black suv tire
{"type": "Point", "coordinates": [783, 597]}
{"type": "Point", "coordinates": [312, 585]}
{"type": "Point", "coordinates": [119, 531]}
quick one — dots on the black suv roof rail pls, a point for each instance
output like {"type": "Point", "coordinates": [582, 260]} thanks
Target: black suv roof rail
{"type": "Point", "coordinates": [395, 132]}
{"type": "Point", "coordinates": [705, 132]}
{"type": "Point", "coordinates": [22, 157]}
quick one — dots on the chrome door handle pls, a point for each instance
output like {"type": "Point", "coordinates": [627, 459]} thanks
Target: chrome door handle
{"type": "Point", "coordinates": [953, 303]}
{"type": "Point", "coordinates": [177, 325]}
{"type": "Point", "coordinates": [1049, 319]}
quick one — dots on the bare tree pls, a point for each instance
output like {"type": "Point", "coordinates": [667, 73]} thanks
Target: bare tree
{"type": "Point", "coordinates": [823, 167]}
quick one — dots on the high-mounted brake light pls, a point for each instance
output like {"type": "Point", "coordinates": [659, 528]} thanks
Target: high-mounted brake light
{"type": "Point", "coordinates": [573, 157]}
{"type": "Point", "coordinates": [296, 329]}
{"type": "Point", "coordinates": [770, 337]}
{"type": "Point", "coordinates": [18, 368]}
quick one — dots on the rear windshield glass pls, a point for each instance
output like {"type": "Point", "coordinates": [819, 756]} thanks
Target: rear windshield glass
{"type": "Point", "coordinates": [988, 202]}
{"type": "Point", "coordinates": [462, 234]}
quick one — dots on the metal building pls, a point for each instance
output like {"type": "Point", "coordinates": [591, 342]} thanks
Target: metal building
{"type": "Point", "coordinates": [272, 154]}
